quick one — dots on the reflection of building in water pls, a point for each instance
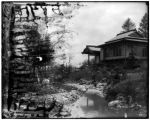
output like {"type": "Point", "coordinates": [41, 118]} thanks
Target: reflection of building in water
{"type": "Point", "coordinates": [90, 102]}
{"type": "Point", "coordinates": [94, 102]}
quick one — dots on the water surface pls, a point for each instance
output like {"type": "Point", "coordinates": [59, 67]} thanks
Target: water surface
{"type": "Point", "coordinates": [93, 105]}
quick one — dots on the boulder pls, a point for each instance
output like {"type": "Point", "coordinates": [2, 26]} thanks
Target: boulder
{"type": "Point", "coordinates": [20, 115]}
{"type": "Point", "coordinates": [45, 81]}
{"type": "Point", "coordinates": [114, 103]}
{"type": "Point", "coordinates": [27, 115]}
{"type": "Point", "coordinates": [40, 115]}
{"type": "Point", "coordinates": [6, 114]}
{"type": "Point", "coordinates": [19, 46]}
{"type": "Point", "coordinates": [40, 105]}
{"type": "Point", "coordinates": [65, 113]}
{"type": "Point", "coordinates": [101, 84]}
{"type": "Point", "coordinates": [32, 107]}
{"type": "Point", "coordinates": [18, 53]}
{"type": "Point", "coordinates": [23, 107]}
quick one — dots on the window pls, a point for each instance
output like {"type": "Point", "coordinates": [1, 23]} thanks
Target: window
{"type": "Point", "coordinates": [106, 52]}
{"type": "Point", "coordinates": [116, 51]}
{"type": "Point", "coordinates": [144, 52]}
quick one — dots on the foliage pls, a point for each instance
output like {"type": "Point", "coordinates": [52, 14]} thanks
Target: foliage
{"type": "Point", "coordinates": [80, 74]}
{"type": "Point", "coordinates": [44, 50]}
{"type": "Point", "coordinates": [132, 62]}
{"type": "Point", "coordinates": [128, 25]}
{"type": "Point", "coordinates": [89, 73]}
{"type": "Point", "coordinates": [85, 63]}
{"type": "Point", "coordinates": [143, 29]}
{"type": "Point", "coordinates": [137, 89]}
{"type": "Point", "coordinates": [39, 48]}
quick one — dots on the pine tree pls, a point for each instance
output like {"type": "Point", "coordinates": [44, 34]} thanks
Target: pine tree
{"type": "Point", "coordinates": [40, 48]}
{"type": "Point", "coordinates": [128, 25]}
{"type": "Point", "coordinates": [143, 29]}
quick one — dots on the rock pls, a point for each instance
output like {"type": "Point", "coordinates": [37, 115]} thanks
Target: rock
{"type": "Point", "coordinates": [114, 103]}
{"type": "Point", "coordinates": [18, 53]}
{"type": "Point", "coordinates": [22, 72]}
{"type": "Point", "coordinates": [19, 46]}
{"type": "Point", "coordinates": [40, 105]}
{"type": "Point", "coordinates": [19, 41]}
{"type": "Point", "coordinates": [24, 49]}
{"type": "Point", "coordinates": [32, 107]}
{"type": "Point", "coordinates": [34, 98]}
{"type": "Point", "coordinates": [52, 116]}
{"type": "Point", "coordinates": [137, 106]}
{"type": "Point", "coordinates": [33, 93]}
{"type": "Point", "coordinates": [65, 113]}
{"type": "Point", "coordinates": [82, 81]}
{"type": "Point", "coordinates": [122, 106]}
{"type": "Point", "coordinates": [27, 115]}
{"type": "Point", "coordinates": [17, 105]}
{"type": "Point", "coordinates": [64, 109]}
{"type": "Point", "coordinates": [24, 53]}
{"type": "Point", "coordinates": [15, 30]}
{"type": "Point", "coordinates": [23, 106]}
{"type": "Point", "coordinates": [6, 115]}
{"type": "Point", "coordinates": [40, 115]}
{"type": "Point", "coordinates": [20, 115]}
{"type": "Point", "coordinates": [45, 81]}
{"type": "Point", "coordinates": [143, 112]}
{"type": "Point", "coordinates": [27, 95]}
{"type": "Point", "coordinates": [101, 84]}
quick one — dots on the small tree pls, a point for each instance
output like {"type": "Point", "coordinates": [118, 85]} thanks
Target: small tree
{"type": "Point", "coordinates": [44, 50]}
{"type": "Point", "coordinates": [128, 25]}
{"type": "Point", "coordinates": [143, 29]}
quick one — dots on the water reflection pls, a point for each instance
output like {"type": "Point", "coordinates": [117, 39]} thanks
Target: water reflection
{"type": "Point", "coordinates": [95, 106]}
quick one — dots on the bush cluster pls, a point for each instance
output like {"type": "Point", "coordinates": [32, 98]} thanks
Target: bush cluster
{"type": "Point", "coordinates": [120, 86]}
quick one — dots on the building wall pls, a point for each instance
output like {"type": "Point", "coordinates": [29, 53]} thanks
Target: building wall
{"type": "Point", "coordinates": [123, 50]}
{"type": "Point", "coordinates": [114, 51]}
{"type": "Point", "coordinates": [97, 59]}
{"type": "Point", "coordinates": [137, 49]}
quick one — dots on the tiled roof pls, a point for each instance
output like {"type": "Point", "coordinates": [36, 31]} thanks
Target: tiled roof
{"type": "Point", "coordinates": [91, 50]}
{"type": "Point", "coordinates": [131, 34]}
{"type": "Point", "coordinates": [137, 40]}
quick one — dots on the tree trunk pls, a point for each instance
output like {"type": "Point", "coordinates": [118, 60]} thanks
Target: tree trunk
{"type": "Point", "coordinates": [7, 8]}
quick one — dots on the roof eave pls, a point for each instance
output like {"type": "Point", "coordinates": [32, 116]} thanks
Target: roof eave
{"type": "Point", "coordinates": [126, 39]}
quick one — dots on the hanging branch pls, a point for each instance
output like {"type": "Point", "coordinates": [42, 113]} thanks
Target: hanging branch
{"type": "Point", "coordinates": [46, 17]}
{"type": "Point", "coordinates": [27, 12]}
{"type": "Point", "coordinates": [57, 9]}
{"type": "Point", "coordinates": [33, 6]}
{"type": "Point", "coordinates": [59, 40]}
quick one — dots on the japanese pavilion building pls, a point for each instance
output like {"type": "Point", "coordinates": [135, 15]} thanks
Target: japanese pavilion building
{"type": "Point", "coordinates": [120, 48]}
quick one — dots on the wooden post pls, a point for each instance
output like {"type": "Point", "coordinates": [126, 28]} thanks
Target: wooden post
{"type": "Point", "coordinates": [87, 102]}
{"type": "Point", "coordinates": [88, 59]}
{"type": "Point", "coordinates": [125, 51]}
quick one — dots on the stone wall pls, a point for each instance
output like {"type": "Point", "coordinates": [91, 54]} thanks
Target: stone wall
{"type": "Point", "coordinates": [18, 74]}
{"type": "Point", "coordinates": [22, 68]}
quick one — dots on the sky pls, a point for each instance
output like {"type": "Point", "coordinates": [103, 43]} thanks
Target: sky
{"type": "Point", "coordinates": [92, 24]}
{"type": "Point", "coordinates": [98, 22]}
